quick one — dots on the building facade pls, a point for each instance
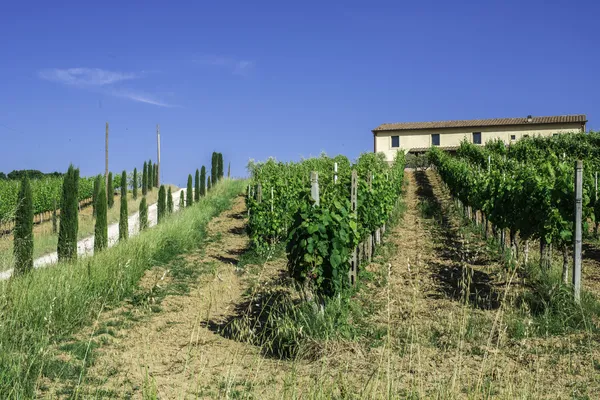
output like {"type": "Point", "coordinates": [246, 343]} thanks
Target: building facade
{"type": "Point", "coordinates": [417, 137]}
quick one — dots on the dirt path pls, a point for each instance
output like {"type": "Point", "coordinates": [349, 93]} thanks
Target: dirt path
{"type": "Point", "coordinates": [85, 247]}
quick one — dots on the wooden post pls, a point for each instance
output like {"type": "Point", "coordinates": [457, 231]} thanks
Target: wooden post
{"type": "Point", "coordinates": [489, 163]}
{"type": "Point", "coordinates": [271, 198]}
{"type": "Point", "coordinates": [106, 161]}
{"type": "Point", "coordinates": [335, 173]}
{"type": "Point", "coordinates": [577, 242]}
{"type": "Point", "coordinates": [259, 193]}
{"type": "Point", "coordinates": [354, 257]}
{"type": "Point", "coordinates": [158, 155]}
{"type": "Point", "coordinates": [314, 186]}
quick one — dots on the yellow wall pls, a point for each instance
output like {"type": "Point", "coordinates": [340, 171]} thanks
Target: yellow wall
{"type": "Point", "coordinates": [410, 139]}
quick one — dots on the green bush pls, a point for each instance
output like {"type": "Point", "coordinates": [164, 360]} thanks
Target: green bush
{"type": "Point", "coordinates": [69, 220]}
{"type": "Point", "coordinates": [23, 231]}
{"type": "Point", "coordinates": [101, 228]}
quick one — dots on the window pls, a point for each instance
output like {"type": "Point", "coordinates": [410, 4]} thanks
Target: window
{"type": "Point", "coordinates": [476, 137]}
{"type": "Point", "coordinates": [395, 141]}
{"type": "Point", "coordinates": [513, 137]}
{"type": "Point", "coordinates": [435, 139]}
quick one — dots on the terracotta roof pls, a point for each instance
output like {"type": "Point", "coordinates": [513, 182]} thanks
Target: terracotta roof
{"type": "Point", "coordinates": [557, 119]}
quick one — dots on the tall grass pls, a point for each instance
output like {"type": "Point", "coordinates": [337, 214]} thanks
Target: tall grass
{"type": "Point", "coordinates": [46, 306]}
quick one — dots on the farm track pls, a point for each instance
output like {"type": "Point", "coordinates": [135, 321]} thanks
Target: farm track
{"type": "Point", "coordinates": [439, 346]}
{"type": "Point", "coordinates": [85, 246]}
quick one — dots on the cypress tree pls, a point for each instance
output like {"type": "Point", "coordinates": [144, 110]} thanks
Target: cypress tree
{"type": "Point", "coordinates": [95, 194]}
{"type": "Point", "coordinates": [23, 231]}
{"type": "Point", "coordinates": [69, 223]}
{"type": "Point", "coordinates": [143, 214]}
{"type": "Point", "coordinates": [101, 228]}
{"type": "Point", "coordinates": [169, 201]}
{"type": "Point", "coordinates": [229, 170]}
{"type": "Point", "coordinates": [54, 218]}
{"type": "Point", "coordinates": [181, 201]}
{"type": "Point", "coordinates": [135, 184]}
{"type": "Point", "coordinates": [124, 184]}
{"type": "Point", "coordinates": [189, 192]}
{"type": "Point", "coordinates": [145, 179]}
{"type": "Point", "coordinates": [155, 175]}
{"type": "Point", "coordinates": [150, 181]}
{"type": "Point", "coordinates": [213, 167]}
{"type": "Point", "coordinates": [220, 166]}
{"type": "Point", "coordinates": [162, 204]}
{"type": "Point", "coordinates": [123, 216]}
{"type": "Point", "coordinates": [110, 191]}
{"type": "Point", "coordinates": [197, 187]}
{"type": "Point", "coordinates": [208, 185]}
{"type": "Point", "coordinates": [203, 181]}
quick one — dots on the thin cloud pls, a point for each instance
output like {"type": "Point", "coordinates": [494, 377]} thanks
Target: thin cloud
{"type": "Point", "coordinates": [85, 76]}
{"type": "Point", "coordinates": [102, 81]}
{"type": "Point", "coordinates": [237, 67]}
{"type": "Point", "coordinates": [139, 97]}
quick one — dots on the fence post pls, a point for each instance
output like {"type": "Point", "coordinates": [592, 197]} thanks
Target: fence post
{"type": "Point", "coordinates": [577, 242]}
{"type": "Point", "coordinates": [335, 173]}
{"type": "Point", "coordinates": [354, 256]}
{"type": "Point", "coordinates": [271, 199]}
{"type": "Point", "coordinates": [259, 193]}
{"type": "Point", "coordinates": [489, 163]}
{"type": "Point", "coordinates": [314, 186]}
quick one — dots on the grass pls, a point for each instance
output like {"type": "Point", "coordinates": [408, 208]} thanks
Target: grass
{"type": "Point", "coordinates": [45, 241]}
{"type": "Point", "coordinates": [46, 306]}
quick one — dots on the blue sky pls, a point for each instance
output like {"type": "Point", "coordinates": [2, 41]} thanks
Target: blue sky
{"type": "Point", "coordinates": [283, 79]}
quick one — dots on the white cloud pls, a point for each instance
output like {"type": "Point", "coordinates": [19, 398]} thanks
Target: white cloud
{"type": "Point", "coordinates": [85, 76]}
{"type": "Point", "coordinates": [102, 81]}
{"type": "Point", "coordinates": [139, 97]}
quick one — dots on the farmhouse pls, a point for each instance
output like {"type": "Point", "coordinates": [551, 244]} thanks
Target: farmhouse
{"type": "Point", "coordinates": [417, 137]}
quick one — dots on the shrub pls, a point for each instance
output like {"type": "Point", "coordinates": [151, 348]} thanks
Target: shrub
{"type": "Point", "coordinates": [203, 181]}
{"type": "Point", "coordinates": [189, 192]}
{"type": "Point", "coordinates": [134, 184]}
{"type": "Point", "coordinates": [101, 228]}
{"type": "Point", "coordinates": [169, 201]}
{"type": "Point", "coordinates": [162, 204]}
{"type": "Point", "coordinates": [69, 222]}
{"type": "Point", "coordinates": [143, 214]}
{"type": "Point", "coordinates": [110, 191]}
{"type": "Point", "coordinates": [197, 186]}
{"type": "Point", "coordinates": [23, 232]}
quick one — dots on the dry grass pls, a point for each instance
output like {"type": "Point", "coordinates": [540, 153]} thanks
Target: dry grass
{"type": "Point", "coordinates": [432, 319]}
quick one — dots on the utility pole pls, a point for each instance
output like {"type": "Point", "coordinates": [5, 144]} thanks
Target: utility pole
{"type": "Point", "coordinates": [158, 155]}
{"type": "Point", "coordinates": [106, 162]}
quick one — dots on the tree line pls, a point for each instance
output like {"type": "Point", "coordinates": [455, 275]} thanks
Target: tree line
{"type": "Point", "coordinates": [102, 201]}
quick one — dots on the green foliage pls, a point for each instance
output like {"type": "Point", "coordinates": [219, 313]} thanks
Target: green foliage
{"type": "Point", "coordinates": [101, 227]}
{"type": "Point", "coordinates": [320, 238]}
{"type": "Point", "coordinates": [320, 243]}
{"type": "Point", "coordinates": [123, 219]}
{"type": "Point", "coordinates": [189, 192]}
{"type": "Point", "coordinates": [162, 204]}
{"type": "Point", "coordinates": [134, 184]}
{"type": "Point", "coordinates": [219, 166]}
{"type": "Point", "coordinates": [18, 175]}
{"type": "Point", "coordinates": [143, 214]}
{"type": "Point", "coordinates": [197, 186]}
{"type": "Point", "coordinates": [145, 179]}
{"type": "Point", "coordinates": [150, 181]}
{"type": "Point", "coordinates": [214, 167]}
{"type": "Point", "coordinates": [110, 191]}
{"type": "Point", "coordinates": [44, 191]}
{"type": "Point", "coordinates": [169, 201]}
{"type": "Point", "coordinates": [97, 182]}
{"type": "Point", "coordinates": [208, 184]}
{"type": "Point", "coordinates": [69, 221]}
{"type": "Point", "coordinates": [123, 184]}
{"type": "Point", "coordinates": [181, 201]}
{"type": "Point", "coordinates": [23, 231]}
{"type": "Point", "coordinates": [203, 181]}
{"type": "Point", "coordinates": [229, 170]}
